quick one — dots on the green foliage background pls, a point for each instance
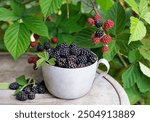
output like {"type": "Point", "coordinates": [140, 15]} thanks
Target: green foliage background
{"type": "Point", "coordinates": [129, 53]}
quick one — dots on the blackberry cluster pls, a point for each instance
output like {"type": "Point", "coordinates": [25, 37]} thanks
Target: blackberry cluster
{"type": "Point", "coordinates": [29, 91]}
{"type": "Point", "coordinates": [71, 56]}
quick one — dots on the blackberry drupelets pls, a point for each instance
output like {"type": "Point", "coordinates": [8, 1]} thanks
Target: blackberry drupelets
{"type": "Point", "coordinates": [40, 48]}
{"type": "Point", "coordinates": [31, 96]}
{"type": "Point", "coordinates": [71, 64]}
{"type": "Point", "coordinates": [99, 33]}
{"type": "Point", "coordinates": [22, 96]}
{"type": "Point", "coordinates": [72, 58]}
{"type": "Point", "coordinates": [14, 86]}
{"type": "Point", "coordinates": [98, 24]}
{"type": "Point", "coordinates": [61, 62]}
{"type": "Point", "coordinates": [46, 45]}
{"type": "Point", "coordinates": [27, 89]}
{"type": "Point", "coordinates": [34, 89]}
{"type": "Point", "coordinates": [82, 59]}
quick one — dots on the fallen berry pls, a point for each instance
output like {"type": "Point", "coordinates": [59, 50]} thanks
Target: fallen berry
{"type": "Point", "coordinates": [22, 96]}
{"type": "Point", "coordinates": [14, 86]}
{"type": "Point", "coordinates": [108, 24]}
{"type": "Point", "coordinates": [106, 39]}
{"type": "Point", "coordinates": [32, 59]}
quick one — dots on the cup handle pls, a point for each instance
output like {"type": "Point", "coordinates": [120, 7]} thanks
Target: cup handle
{"type": "Point", "coordinates": [104, 62]}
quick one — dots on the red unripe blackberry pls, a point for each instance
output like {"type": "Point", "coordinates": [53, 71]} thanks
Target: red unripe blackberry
{"type": "Point", "coordinates": [36, 36]}
{"type": "Point", "coordinates": [91, 21]}
{"type": "Point", "coordinates": [105, 49]}
{"type": "Point", "coordinates": [54, 40]}
{"type": "Point", "coordinates": [96, 40]}
{"type": "Point", "coordinates": [97, 17]}
{"type": "Point", "coordinates": [108, 24]}
{"type": "Point", "coordinates": [106, 39]}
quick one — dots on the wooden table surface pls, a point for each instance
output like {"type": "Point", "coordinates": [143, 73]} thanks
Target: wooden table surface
{"type": "Point", "coordinates": [105, 90]}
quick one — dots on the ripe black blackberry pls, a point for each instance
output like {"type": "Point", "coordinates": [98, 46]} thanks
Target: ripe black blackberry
{"type": "Point", "coordinates": [61, 46]}
{"type": "Point", "coordinates": [56, 55]}
{"type": "Point", "coordinates": [75, 51]}
{"type": "Point", "coordinates": [85, 52]}
{"type": "Point", "coordinates": [41, 89]}
{"type": "Point", "coordinates": [88, 64]}
{"type": "Point", "coordinates": [73, 46]}
{"type": "Point", "coordinates": [81, 65]}
{"type": "Point", "coordinates": [72, 58]}
{"type": "Point", "coordinates": [61, 62]}
{"type": "Point", "coordinates": [99, 33]}
{"type": "Point", "coordinates": [34, 89]}
{"type": "Point", "coordinates": [82, 59]}
{"type": "Point", "coordinates": [98, 24]}
{"type": "Point", "coordinates": [27, 89]}
{"type": "Point", "coordinates": [14, 86]}
{"type": "Point", "coordinates": [40, 48]}
{"type": "Point", "coordinates": [22, 96]}
{"type": "Point", "coordinates": [31, 96]}
{"type": "Point", "coordinates": [92, 58]}
{"type": "Point", "coordinates": [64, 52]}
{"type": "Point", "coordinates": [50, 52]}
{"type": "Point", "coordinates": [72, 64]}
{"type": "Point", "coordinates": [46, 45]}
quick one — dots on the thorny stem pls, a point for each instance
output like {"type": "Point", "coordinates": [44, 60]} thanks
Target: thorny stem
{"type": "Point", "coordinates": [94, 8]}
{"type": "Point", "coordinates": [122, 60]}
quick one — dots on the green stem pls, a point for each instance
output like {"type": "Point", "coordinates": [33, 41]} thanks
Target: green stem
{"type": "Point", "coordinates": [122, 60]}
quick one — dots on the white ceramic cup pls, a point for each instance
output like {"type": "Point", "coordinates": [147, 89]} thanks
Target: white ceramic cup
{"type": "Point", "coordinates": [71, 83]}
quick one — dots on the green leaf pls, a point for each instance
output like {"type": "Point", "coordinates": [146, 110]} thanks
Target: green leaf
{"type": "Point", "coordinates": [4, 86]}
{"type": "Point", "coordinates": [40, 62]}
{"type": "Point", "coordinates": [43, 55]}
{"type": "Point", "coordinates": [85, 8]}
{"type": "Point", "coordinates": [146, 17]}
{"type": "Point", "coordinates": [130, 76]}
{"type": "Point", "coordinates": [17, 39]}
{"type": "Point", "coordinates": [143, 83]}
{"type": "Point", "coordinates": [147, 98]}
{"type": "Point", "coordinates": [122, 42]}
{"type": "Point", "coordinates": [49, 7]}
{"type": "Point", "coordinates": [144, 69]}
{"type": "Point", "coordinates": [133, 94]}
{"type": "Point", "coordinates": [36, 26]}
{"type": "Point", "coordinates": [65, 38]}
{"type": "Point", "coordinates": [117, 14]}
{"type": "Point", "coordinates": [51, 61]}
{"type": "Point", "coordinates": [7, 15]}
{"type": "Point", "coordinates": [105, 5]}
{"type": "Point", "coordinates": [113, 49]}
{"type": "Point", "coordinates": [69, 26]}
{"type": "Point", "coordinates": [18, 8]}
{"type": "Point", "coordinates": [145, 53]}
{"type": "Point", "coordinates": [134, 55]}
{"type": "Point", "coordinates": [133, 5]}
{"type": "Point", "coordinates": [145, 49]}
{"type": "Point", "coordinates": [137, 30]}
{"type": "Point", "coordinates": [21, 80]}
{"type": "Point", "coordinates": [143, 8]}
